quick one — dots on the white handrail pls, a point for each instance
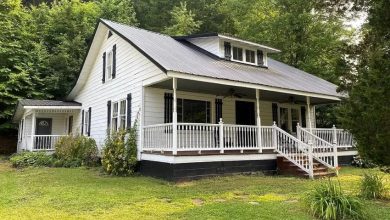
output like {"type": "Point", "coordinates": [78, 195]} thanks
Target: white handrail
{"type": "Point", "coordinates": [339, 137]}
{"type": "Point", "coordinates": [42, 142]}
{"type": "Point", "coordinates": [294, 150]}
{"type": "Point", "coordinates": [323, 151]}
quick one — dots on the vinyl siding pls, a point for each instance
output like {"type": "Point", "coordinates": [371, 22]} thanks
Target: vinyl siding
{"type": "Point", "coordinates": [131, 69]}
{"type": "Point", "coordinates": [211, 44]}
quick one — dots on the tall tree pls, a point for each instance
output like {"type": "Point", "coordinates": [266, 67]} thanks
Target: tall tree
{"type": "Point", "coordinates": [183, 21]}
{"type": "Point", "coordinates": [20, 60]}
{"type": "Point", "coordinates": [366, 113]}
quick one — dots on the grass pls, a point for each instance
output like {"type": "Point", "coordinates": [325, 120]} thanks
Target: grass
{"type": "Point", "coordinates": [80, 193]}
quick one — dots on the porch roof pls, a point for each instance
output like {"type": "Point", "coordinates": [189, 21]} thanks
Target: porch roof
{"type": "Point", "coordinates": [41, 104]}
{"type": "Point", "coordinates": [173, 55]}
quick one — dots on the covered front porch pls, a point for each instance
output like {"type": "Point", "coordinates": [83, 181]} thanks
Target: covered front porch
{"type": "Point", "coordinates": [43, 122]}
{"type": "Point", "coordinates": [191, 117]}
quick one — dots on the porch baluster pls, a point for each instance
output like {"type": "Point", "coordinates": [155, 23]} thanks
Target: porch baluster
{"type": "Point", "coordinates": [221, 136]}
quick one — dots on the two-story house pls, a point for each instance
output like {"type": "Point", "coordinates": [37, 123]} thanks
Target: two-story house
{"type": "Point", "coordinates": [203, 105]}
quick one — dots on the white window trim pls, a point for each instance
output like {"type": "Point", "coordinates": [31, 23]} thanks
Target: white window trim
{"type": "Point", "coordinates": [119, 113]}
{"type": "Point", "coordinates": [244, 49]}
{"type": "Point", "coordinates": [86, 122]}
{"type": "Point", "coordinates": [118, 117]}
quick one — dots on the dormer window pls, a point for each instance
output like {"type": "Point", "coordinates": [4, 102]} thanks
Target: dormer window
{"type": "Point", "coordinates": [250, 56]}
{"type": "Point", "coordinates": [237, 53]}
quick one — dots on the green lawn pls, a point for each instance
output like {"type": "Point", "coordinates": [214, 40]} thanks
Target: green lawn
{"type": "Point", "coordinates": [63, 193]}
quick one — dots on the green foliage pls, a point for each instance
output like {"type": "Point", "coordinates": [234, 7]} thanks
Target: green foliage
{"type": "Point", "coordinates": [366, 112]}
{"type": "Point", "coordinates": [372, 186]}
{"type": "Point", "coordinates": [183, 21]}
{"type": "Point", "coordinates": [328, 202]}
{"type": "Point", "coordinates": [120, 153]}
{"type": "Point", "coordinates": [118, 10]}
{"type": "Point", "coordinates": [26, 159]}
{"type": "Point", "coordinates": [74, 151]}
{"type": "Point", "coordinates": [358, 161]}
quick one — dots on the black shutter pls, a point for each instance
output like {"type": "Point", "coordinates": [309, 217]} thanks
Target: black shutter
{"type": "Point", "coordinates": [114, 61]}
{"type": "Point", "coordinates": [89, 121]}
{"type": "Point", "coordinates": [82, 122]}
{"type": "Point", "coordinates": [168, 108]}
{"type": "Point", "coordinates": [275, 113]}
{"type": "Point", "coordinates": [128, 119]}
{"type": "Point", "coordinates": [104, 67]}
{"type": "Point", "coordinates": [227, 47]}
{"type": "Point", "coordinates": [218, 110]}
{"type": "Point", "coordinates": [108, 115]}
{"type": "Point", "coordinates": [303, 116]}
{"type": "Point", "coordinates": [260, 58]}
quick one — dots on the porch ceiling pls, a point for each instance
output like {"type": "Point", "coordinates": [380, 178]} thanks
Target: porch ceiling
{"type": "Point", "coordinates": [245, 93]}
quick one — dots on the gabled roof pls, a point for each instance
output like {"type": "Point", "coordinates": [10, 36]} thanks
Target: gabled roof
{"type": "Point", "coordinates": [175, 55]}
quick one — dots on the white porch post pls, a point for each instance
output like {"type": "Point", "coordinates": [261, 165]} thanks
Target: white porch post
{"type": "Point", "coordinates": [33, 121]}
{"type": "Point", "coordinates": [174, 117]}
{"type": "Point", "coordinates": [259, 142]}
{"type": "Point", "coordinates": [310, 142]}
{"type": "Point", "coordinates": [309, 114]}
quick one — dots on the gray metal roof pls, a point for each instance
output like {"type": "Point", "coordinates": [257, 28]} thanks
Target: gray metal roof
{"type": "Point", "coordinates": [175, 55]}
{"type": "Point", "coordinates": [34, 102]}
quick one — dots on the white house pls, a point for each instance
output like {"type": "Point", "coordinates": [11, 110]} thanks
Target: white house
{"type": "Point", "coordinates": [204, 105]}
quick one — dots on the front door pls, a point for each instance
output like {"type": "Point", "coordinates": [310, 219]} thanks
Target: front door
{"type": "Point", "coordinates": [289, 118]}
{"type": "Point", "coordinates": [43, 127]}
{"type": "Point", "coordinates": [245, 115]}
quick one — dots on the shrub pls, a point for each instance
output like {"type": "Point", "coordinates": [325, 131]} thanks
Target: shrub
{"type": "Point", "coordinates": [120, 153]}
{"type": "Point", "coordinates": [26, 159]}
{"type": "Point", "coordinates": [362, 163]}
{"type": "Point", "coordinates": [74, 151]}
{"type": "Point", "coordinates": [372, 186]}
{"type": "Point", "coordinates": [385, 169]}
{"type": "Point", "coordinates": [328, 202]}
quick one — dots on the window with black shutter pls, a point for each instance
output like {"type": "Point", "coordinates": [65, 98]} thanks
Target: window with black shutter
{"type": "Point", "coordinates": [218, 110]}
{"type": "Point", "coordinates": [168, 107]}
{"type": "Point", "coordinates": [82, 122]}
{"type": "Point", "coordinates": [275, 113]}
{"type": "Point", "coordinates": [108, 115]}
{"type": "Point", "coordinates": [89, 120]}
{"type": "Point", "coordinates": [104, 68]}
{"type": "Point", "coordinates": [260, 58]}
{"type": "Point", "coordinates": [227, 48]}
{"type": "Point", "coordinates": [303, 116]}
{"type": "Point", "coordinates": [128, 119]}
{"type": "Point", "coordinates": [114, 61]}
{"type": "Point", "coordinates": [70, 124]}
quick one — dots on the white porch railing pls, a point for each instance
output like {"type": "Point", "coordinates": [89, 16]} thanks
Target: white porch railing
{"type": "Point", "coordinates": [41, 142]}
{"type": "Point", "coordinates": [339, 137]}
{"type": "Point", "coordinates": [201, 137]}
{"type": "Point", "coordinates": [323, 151]}
{"type": "Point", "coordinates": [220, 137]}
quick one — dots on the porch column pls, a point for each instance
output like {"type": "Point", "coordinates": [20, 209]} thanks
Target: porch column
{"type": "Point", "coordinates": [33, 121]}
{"type": "Point", "coordinates": [309, 114]}
{"type": "Point", "coordinates": [23, 138]}
{"type": "Point", "coordinates": [174, 117]}
{"type": "Point", "coordinates": [258, 121]}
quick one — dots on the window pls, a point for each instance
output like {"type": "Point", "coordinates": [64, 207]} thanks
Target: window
{"type": "Point", "coordinates": [193, 111]}
{"type": "Point", "coordinates": [109, 65]}
{"type": "Point", "coordinates": [122, 114]}
{"type": "Point", "coordinates": [250, 56]}
{"type": "Point", "coordinates": [114, 119]}
{"type": "Point", "coordinates": [86, 122]}
{"type": "Point", "coordinates": [70, 124]}
{"type": "Point", "coordinates": [237, 53]}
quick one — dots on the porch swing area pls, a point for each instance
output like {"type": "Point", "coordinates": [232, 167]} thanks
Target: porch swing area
{"type": "Point", "coordinates": [306, 148]}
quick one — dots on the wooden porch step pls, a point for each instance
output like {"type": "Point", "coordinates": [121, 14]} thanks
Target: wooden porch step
{"type": "Point", "coordinates": [286, 167]}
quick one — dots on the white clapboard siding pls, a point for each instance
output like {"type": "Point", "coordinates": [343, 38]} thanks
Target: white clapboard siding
{"type": "Point", "coordinates": [131, 69]}
{"type": "Point", "coordinates": [210, 44]}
